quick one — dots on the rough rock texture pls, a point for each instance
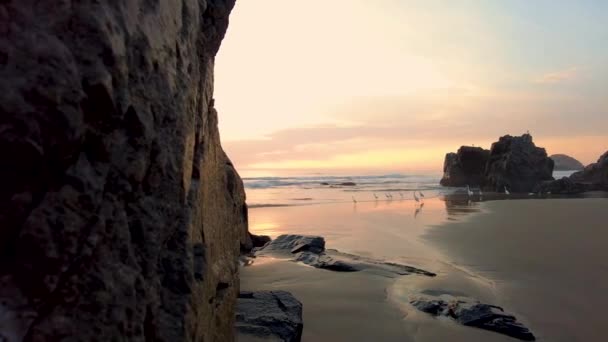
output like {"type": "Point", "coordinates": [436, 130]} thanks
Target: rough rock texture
{"type": "Point", "coordinates": [566, 163]}
{"type": "Point", "coordinates": [311, 251]}
{"type": "Point", "coordinates": [563, 185]}
{"type": "Point", "coordinates": [594, 176]}
{"type": "Point", "coordinates": [121, 218]}
{"type": "Point", "coordinates": [516, 163]}
{"type": "Point", "coordinates": [268, 316]}
{"type": "Point", "coordinates": [475, 314]}
{"type": "Point", "coordinates": [466, 167]}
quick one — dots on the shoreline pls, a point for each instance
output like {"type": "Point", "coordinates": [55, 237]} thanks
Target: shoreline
{"type": "Point", "coordinates": [390, 231]}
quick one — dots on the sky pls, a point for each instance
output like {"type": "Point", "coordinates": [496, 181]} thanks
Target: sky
{"type": "Point", "coordinates": [393, 85]}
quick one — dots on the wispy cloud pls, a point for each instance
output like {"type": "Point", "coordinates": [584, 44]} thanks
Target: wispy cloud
{"type": "Point", "coordinates": [558, 76]}
{"type": "Point", "coordinates": [415, 131]}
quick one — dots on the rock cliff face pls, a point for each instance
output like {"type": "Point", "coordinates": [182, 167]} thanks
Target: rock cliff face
{"type": "Point", "coordinates": [515, 162]}
{"type": "Point", "coordinates": [466, 167]}
{"type": "Point", "coordinates": [120, 215]}
{"type": "Point", "coordinates": [594, 176]}
{"type": "Point", "coordinates": [566, 163]}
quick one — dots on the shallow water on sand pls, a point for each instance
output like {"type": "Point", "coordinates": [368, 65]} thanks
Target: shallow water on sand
{"type": "Point", "coordinates": [362, 306]}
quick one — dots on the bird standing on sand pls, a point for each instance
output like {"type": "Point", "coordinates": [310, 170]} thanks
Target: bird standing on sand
{"type": "Point", "coordinates": [469, 192]}
{"type": "Point", "coordinates": [375, 196]}
{"type": "Point", "coordinates": [354, 200]}
{"type": "Point", "coordinates": [421, 194]}
{"type": "Point", "coordinates": [416, 197]}
{"type": "Point", "coordinates": [507, 191]}
{"type": "Point", "coordinates": [386, 195]}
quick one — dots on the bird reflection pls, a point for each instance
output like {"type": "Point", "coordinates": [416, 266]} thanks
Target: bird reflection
{"type": "Point", "coordinates": [418, 210]}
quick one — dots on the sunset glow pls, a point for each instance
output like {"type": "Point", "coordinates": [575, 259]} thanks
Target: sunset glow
{"type": "Point", "coordinates": [394, 85]}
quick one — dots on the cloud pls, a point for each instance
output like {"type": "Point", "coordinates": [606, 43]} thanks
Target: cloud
{"type": "Point", "coordinates": [396, 132]}
{"type": "Point", "coordinates": [558, 76]}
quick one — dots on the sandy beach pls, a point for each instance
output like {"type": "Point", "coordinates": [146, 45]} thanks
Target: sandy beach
{"type": "Point", "coordinates": [542, 260]}
{"type": "Point", "coordinates": [547, 259]}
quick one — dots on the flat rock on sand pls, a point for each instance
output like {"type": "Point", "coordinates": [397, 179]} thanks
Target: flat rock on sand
{"type": "Point", "coordinates": [311, 251]}
{"type": "Point", "coordinates": [475, 314]}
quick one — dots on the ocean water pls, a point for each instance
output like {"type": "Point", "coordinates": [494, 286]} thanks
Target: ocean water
{"type": "Point", "coordinates": [317, 189]}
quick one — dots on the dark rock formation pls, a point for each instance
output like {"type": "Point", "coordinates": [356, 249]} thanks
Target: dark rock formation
{"type": "Point", "coordinates": [566, 163]}
{"type": "Point", "coordinates": [594, 176]}
{"type": "Point", "coordinates": [294, 244]}
{"type": "Point", "coordinates": [339, 184]}
{"type": "Point", "coordinates": [259, 240]}
{"type": "Point", "coordinates": [563, 185]}
{"type": "Point", "coordinates": [268, 315]}
{"type": "Point", "coordinates": [466, 167]}
{"type": "Point", "coordinates": [475, 314]}
{"type": "Point", "coordinates": [311, 251]}
{"type": "Point", "coordinates": [121, 218]}
{"type": "Point", "coordinates": [516, 163]}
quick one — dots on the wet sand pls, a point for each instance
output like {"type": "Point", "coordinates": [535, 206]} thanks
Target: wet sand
{"type": "Point", "coordinates": [547, 259]}
{"type": "Point", "coordinates": [543, 260]}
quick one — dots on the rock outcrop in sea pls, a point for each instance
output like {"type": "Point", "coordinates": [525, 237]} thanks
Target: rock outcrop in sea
{"type": "Point", "coordinates": [566, 163]}
{"type": "Point", "coordinates": [593, 177]}
{"type": "Point", "coordinates": [512, 162]}
{"type": "Point", "coordinates": [466, 167]}
{"type": "Point", "coordinates": [121, 218]}
{"type": "Point", "coordinates": [517, 164]}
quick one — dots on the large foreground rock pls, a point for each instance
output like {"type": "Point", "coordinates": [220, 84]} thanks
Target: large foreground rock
{"type": "Point", "coordinates": [268, 316]}
{"type": "Point", "coordinates": [516, 163]}
{"type": "Point", "coordinates": [466, 167]}
{"type": "Point", "coordinates": [566, 163]}
{"type": "Point", "coordinates": [311, 250]}
{"type": "Point", "coordinates": [121, 218]}
{"type": "Point", "coordinates": [475, 314]}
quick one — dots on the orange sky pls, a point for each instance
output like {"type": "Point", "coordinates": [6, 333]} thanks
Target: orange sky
{"type": "Point", "coordinates": [392, 86]}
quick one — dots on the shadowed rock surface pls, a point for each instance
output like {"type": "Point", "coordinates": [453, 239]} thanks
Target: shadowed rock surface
{"type": "Point", "coordinates": [475, 314]}
{"type": "Point", "coordinates": [121, 218]}
{"type": "Point", "coordinates": [268, 316]}
{"type": "Point", "coordinates": [563, 185]}
{"type": "Point", "coordinates": [466, 167]}
{"type": "Point", "coordinates": [516, 163]}
{"type": "Point", "coordinates": [566, 163]}
{"type": "Point", "coordinates": [311, 251]}
{"type": "Point", "coordinates": [594, 176]}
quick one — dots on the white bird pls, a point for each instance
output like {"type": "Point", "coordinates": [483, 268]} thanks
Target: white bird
{"type": "Point", "coordinates": [416, 197]}
{"type": "Point", "coordinates": [387, 196]}
{"type": "Point", "coordinates": [354, 200]}
{"type": "Point", "coordinates": [469, 192]}
{"type": "Point", "coordinates": [375, 196]}
{"type": "Point", "coordinates": [507, 192]}
{"type": "Point", "coordinates": [530, 194]}
{"type": "Point", "coordinates": [421, 194]}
